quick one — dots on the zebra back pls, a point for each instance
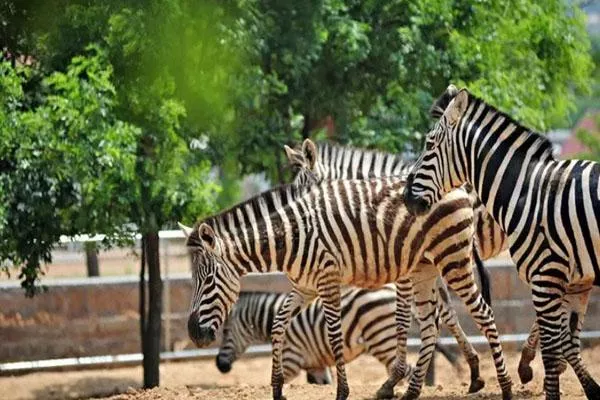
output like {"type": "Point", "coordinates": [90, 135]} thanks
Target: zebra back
{"type": "Point", "coordinates": [315, 163]}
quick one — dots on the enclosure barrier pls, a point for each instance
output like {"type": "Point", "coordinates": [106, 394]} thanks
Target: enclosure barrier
{"type": "Point", "coordinates": [119, 360]}
{"type": "Point", "coordinates": [255, 282]}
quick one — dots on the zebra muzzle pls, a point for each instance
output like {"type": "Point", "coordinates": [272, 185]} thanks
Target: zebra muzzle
{"type": "Point", "coordinates": [224, 364]}
{"type": "Point", "coordinates": [202, 336]}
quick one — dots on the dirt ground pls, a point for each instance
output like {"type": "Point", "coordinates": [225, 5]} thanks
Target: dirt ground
{"type": "Point", "coordinates": [249, 379]}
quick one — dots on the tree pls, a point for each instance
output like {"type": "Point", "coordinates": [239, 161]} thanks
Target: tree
{"type": "Point", "coordinates": [376, 66]}
{"type": "Point", "coordinates": [67, 162]}
{"type": "Point", "coordinates": [169, 68]}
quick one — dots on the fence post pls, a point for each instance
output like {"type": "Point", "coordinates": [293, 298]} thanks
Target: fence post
{"type": "Point", "coordinates": [167, 295]}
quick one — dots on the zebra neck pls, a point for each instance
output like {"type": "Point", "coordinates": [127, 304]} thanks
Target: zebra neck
{"type": "Point", "coordinates": [255, 245]}
{"type": "Point", "coordinates": [496, 155]}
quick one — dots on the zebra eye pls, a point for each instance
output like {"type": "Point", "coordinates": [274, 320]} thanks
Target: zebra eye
{"type": "Point", "coordinates": [428, 145]}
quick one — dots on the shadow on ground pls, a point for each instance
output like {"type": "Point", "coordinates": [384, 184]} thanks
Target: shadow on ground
{"type": "Point", "coordinates": [86, 388]}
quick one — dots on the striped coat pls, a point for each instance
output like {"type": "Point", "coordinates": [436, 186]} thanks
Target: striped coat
{"type": "Point", "coordinates": [548, 208]}
{"type": "Point", "coordinates": [368, 327]}
{"type": "Point", "coordinates": [338, 232]}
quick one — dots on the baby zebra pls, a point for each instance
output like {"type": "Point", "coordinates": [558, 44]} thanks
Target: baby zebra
{"type": "Point", "coordinates": [338, 232]}
{"type": "Point", "coordinates": [368, 327]}
{"type": "Point", "coordinates": [333, 161]}
{"type": "Point", "coordinates": [548, 208]}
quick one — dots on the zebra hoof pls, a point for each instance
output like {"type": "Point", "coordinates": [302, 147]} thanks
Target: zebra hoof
{"type": "Point", "coordinates": [592, 390]}
{"type": "Point", "coordinates": [410, 395]}
{"type": "Point", "coordinates": [385, 392]}
{"type": "Point", "coordinates": [525, 373]}
{"type": "Point", "coordinates": [507, 394]}
{"type": "Point", "coordinates": [476, 385]}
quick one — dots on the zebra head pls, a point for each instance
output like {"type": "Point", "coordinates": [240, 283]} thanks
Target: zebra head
{"type": "Point", "coordinates": [305, 162]}
{"type": "Point", "coordinates": [216, 285]}
{"type": "Point", "coordinates": [435, 173]}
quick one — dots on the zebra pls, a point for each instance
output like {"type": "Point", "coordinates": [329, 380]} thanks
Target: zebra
{"type": "Point", "coordinates": [548, 208]}
{"type": "Point", "coordinates": [331, 161]}
{"type": "Point", "coordinates": [315, 163]}
{"type": "Point", "coordinates": [368, 326]}
{"type": "Point", "coordinates": [339, 232]}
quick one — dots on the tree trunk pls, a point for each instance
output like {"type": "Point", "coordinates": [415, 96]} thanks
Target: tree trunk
{"type": "Point", "coordinates": [91, 259]}
{"type": "Point", "coordinates": [306, 127]}
{"type": "Point", "coordinates": [153, 325]}
{"type": "Point", "coordinates": [142, 287]}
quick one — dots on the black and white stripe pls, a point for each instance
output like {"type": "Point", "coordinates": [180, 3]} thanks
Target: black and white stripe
{"type": "Point", "coordinates": [368, 326]}
{"type": "Point", "coordinates": [339, 232]}
{"type": "Point", "coordinates": [548, 208]}
{"type": "Point", "coordinates": [316, 162]}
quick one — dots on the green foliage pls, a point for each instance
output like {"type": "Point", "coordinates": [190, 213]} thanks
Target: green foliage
{"type": "Point", "coordinates": [376, 66]}
{"type": "Point", "coordinates": [591, 139]}
{"type": "Point", "coordinates": [68, 163]}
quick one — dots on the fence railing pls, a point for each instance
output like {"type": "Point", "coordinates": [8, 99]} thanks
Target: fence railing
{"type": "Point", "coordinates": [254, 282]}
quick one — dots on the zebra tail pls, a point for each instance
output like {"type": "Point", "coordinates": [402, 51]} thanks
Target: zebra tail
{"type": "Point", "coordinates": [484, 277]}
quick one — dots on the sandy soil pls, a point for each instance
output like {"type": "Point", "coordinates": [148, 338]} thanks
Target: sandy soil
{"type": "Point", "coordinates": [249, 379]}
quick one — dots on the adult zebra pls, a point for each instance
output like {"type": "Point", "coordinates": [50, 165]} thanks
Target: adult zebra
{"type": "Point", "coordinates": [333, 161]}
{"type": "Point", "coordinates": [548, 208]}
{"type": "Point", "coordinates": [338, 232]}
{"type": "Point", "coordinates": [313, 164]}
{"type": "Point", "coordinates": [368, 327]}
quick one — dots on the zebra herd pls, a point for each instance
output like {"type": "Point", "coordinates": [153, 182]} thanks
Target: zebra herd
{"type": "Point", "coordinates": [369, 219]}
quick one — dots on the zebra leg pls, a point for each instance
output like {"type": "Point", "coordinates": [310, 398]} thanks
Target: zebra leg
{"type": "Point", "coordinates": [318, 376]}
{"type": "Point", "coordinates": [529, 351]}
{"type": "Point", "coordinates": [572, 345]}
{"type": "Point", "coordinates": [293, 363]}
{"type": "Point", "coordinates": [426, 304]}
{"type": "Point", "coordinates": [548, 293]}
{"type": "Point", "coordinates": [329, 291]}
{"type": "Point", "coordinates": [290, 307]}
{"type": "Point", "coordinates": [399, 369]}
{"type": "Point", "coordinates": [450, 320]}
{"type": "Point", "coordinates": [463, 284]}
{"type": "Point", "coordinates": [528, 354]}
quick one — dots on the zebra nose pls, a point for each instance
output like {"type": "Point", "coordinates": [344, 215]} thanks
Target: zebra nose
{"type": "Point", "coordinates": [202, 336]}
{"type": "Point", "coordinates": [223, 364]}
{"type": "Point", "coordinates": [415, 205]}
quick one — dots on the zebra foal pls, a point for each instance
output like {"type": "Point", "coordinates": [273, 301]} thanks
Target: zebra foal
{"type": "Point", "coordinates": [368, 327]}
{"type": "Point", "coordinates": [338, 232]}
{"type": "Point", "coordinates": [549, 208]}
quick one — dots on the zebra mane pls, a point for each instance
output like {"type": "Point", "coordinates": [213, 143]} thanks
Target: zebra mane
{"type": "Point", "coordinates": [326, 149]}
{"type": "Point", "coordinates": [544, 143]}
{"type": "Point", "coordinates": [282, 194]}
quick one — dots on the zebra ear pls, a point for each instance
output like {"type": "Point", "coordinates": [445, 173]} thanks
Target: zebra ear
{"type": "Point", "coordinates": [208, 236]}
{"type": "Point", "coordinates": [187, 231]}
{"type": "Point", "coordinates": [309, 149]}
{"type": "Point", "coordinates": [458, 106]}
{"type": "Point", "coordinates": [441, 103]}
{"type": "Point", "coordinates": [294, 156]}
